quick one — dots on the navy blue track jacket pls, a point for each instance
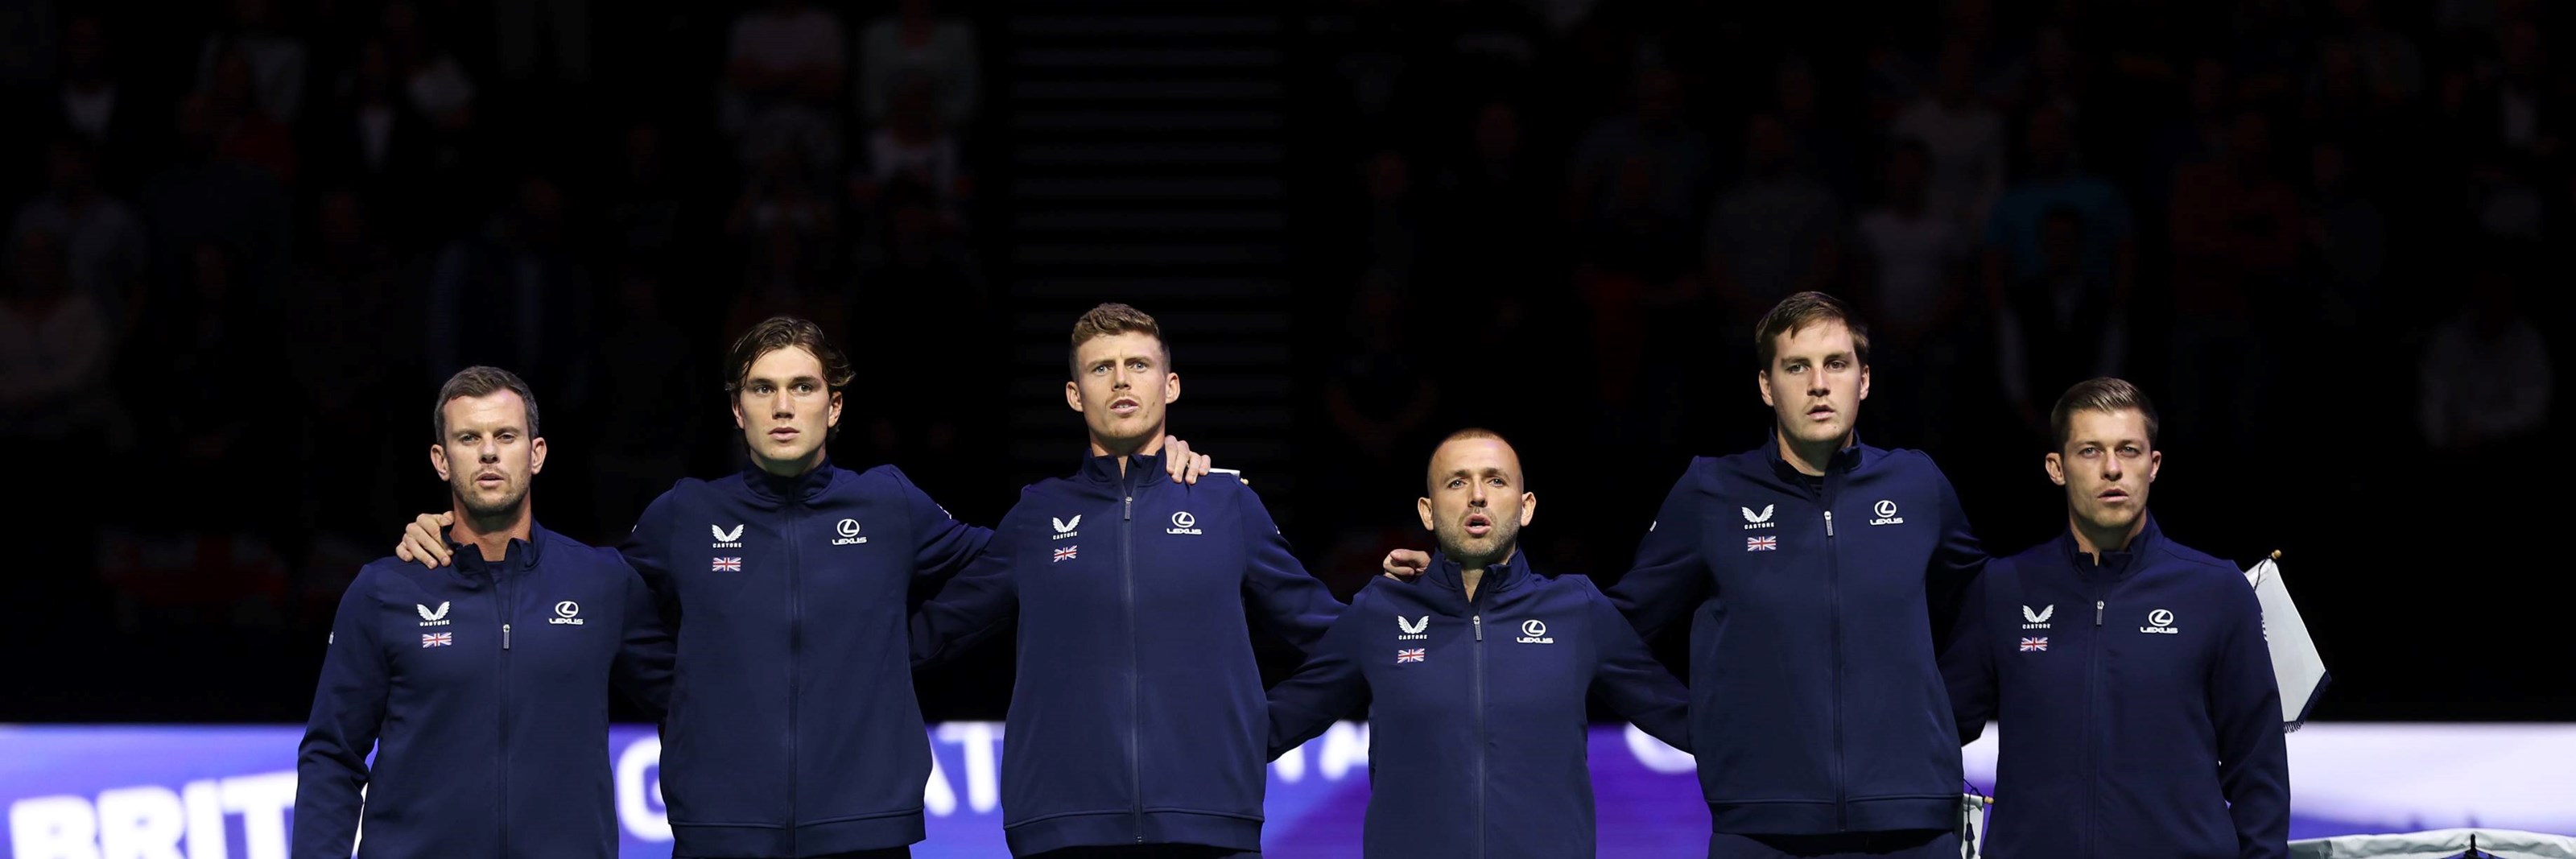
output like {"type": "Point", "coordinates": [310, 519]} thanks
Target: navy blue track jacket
{"type": "Point", "coordinates": [1477, 725]}
{"type": "Point", "coordinates": [482, 687]}
{"type": "Point", "coordinates": [1138, 715]}
{"type": "Point", "coordinates": [2137, 704]}
{"type": "Point", "coordinates": [1816, 694]}
{"type": "Point", "coordinates": [793, 729]}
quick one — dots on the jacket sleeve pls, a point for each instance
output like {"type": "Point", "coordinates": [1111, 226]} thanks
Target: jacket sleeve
{"type": "Point", "coordinates": [942, 546]}
{"type": "Point", "coordinates": [1955, 563]}
{"type": "Point", "coordinates": [2253, 757]}
{"type": "Point", "coordinates": [348, 711]}
{"type": "Point", "coordinates": [1670, 577]}
{"type": "Point", "coordinates": [642, 669]}
{"type": "Point", "coordinates": [1968, 663]}
{"type": "Point", "coordinates": [1295, 605]}
{"type": "Point", "coordinates": [1328, 687]}
{"type": "Point", "coordinates": [1628, 677]}
{"type": "Point", "coordinates": [981, 601]}
{"type": "Point", "coordinates": [647, 550]}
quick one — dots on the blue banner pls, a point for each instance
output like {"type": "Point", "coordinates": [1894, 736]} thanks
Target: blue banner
{"type": "Point", "coordinates": [182, 792]}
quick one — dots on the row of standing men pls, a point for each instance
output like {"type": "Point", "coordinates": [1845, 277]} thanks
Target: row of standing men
{"type": "Point", "coordinates": [1836, 664]}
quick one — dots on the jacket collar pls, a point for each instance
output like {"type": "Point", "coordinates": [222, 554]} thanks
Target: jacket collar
{"type": "Point", "coordinates": [2115, 564]}
{"type": "Point", "coordinates": [521, 555]}
{"type": "Point", "coordinates": [775, 489]}
{"type": "Point", "coordinates": [1843, 461]}
{"type": "Point", "coordinates": [1500, 577]}
{"type": "Point", "coordinates": [1104, 469]}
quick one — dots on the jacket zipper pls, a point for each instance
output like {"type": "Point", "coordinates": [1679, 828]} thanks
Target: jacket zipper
{"type": "Point", "coordinates": [501, 594]}
{"type": "Point", "coordinates": [795, 648]}
{"type": "Point", "coordinates": [2092, 670]}
{"type": "Point", "coordinates": [1834, 598]}
{"type": "Point", "coordinates": [1135, 686]}
{"type": "Point", "coordinates": [1479, 703]}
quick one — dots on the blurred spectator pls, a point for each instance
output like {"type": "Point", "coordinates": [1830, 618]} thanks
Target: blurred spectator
{"type": "Point", "coordinates": [514, 296]}
{"type": "Point", "coordinates": [1380, 399]}
{"type": "Point", "coordinates": [651, 399]}
{"type": "Point", "coordinates": [2060, 325]}
{"type": "Point", "coordinates": [2347, 239]}
{"type": "Point", "coordinates": [1394, 218]}
{"type": "Point", "coordinates": [2055, 179]}
{"type": "Point", "coordinates": [645, 213]}
{"type": "Point", "coordinates": [1776, 231]}
{"type": "Point", "coordinates": [2392, 66]}
{"type": "Point", "coordinates": [1475, 48]}
{"type": "Point", "coordinates": [917, 41]}
{"type": "Point", "coordinates": [276, 59]}
{"type": "Point", "coordinates": [242, 131]}
{"type": "Point", "coordinates": [203, 344]}
{"type": "Point", "coordinates": [432, 77]}
{"type": "Point", "coordinates": [1964, 136]}
{"type": "Point", "coordinates": [1495, 232]}
{"type": "Point", "coordinates": [922, 273]}
{"type": "Point", "coordinates": [2198, 133]}
{"type": "Point", "coordinates": [100, 237]}
{"type": "Point", "coordinates": [783, 73]}
{"type": "Point", "coordinates": [2059, 78]}
{"type": "Point", "coordinates": [2485, 380]}
{"type": "Point", "coordinates": [557, 30]}
{"type": "Point", "coordinates": [1650, 169]}
{"type": "Point", "coordinates": [352, 340]}
{"type": "Point", "coordinates": [372, 138]}
{"type": "Point", "coordinates": [92, 100]}
{"type": "Point", "coordinates": [203, 196]}
{"type": "Point", "coordinates": [914, 145]}
{"type": "Point", "coordinates": [2269, 41]}
{"type": "Point", "coordinates": [2237, 230]}
{"type": "Point", "coordinates": [2524, 106]}
{"type": "Point", "coordinates": [1824, 151]}
{"type": "Point", "coordinates": [55, 347]}
{"type": "Point", "coordinates": [788, 229]}
{"type": "Point", "coordinates": [1912, 264]}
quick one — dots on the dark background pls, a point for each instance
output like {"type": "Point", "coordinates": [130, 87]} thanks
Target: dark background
{"type": "Point", "coordinates": [247, 239]}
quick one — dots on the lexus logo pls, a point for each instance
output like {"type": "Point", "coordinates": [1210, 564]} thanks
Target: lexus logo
{"type": "Point", "coordinates": [2160, 617]}
{"type": "Point", "coordinates": [1183, 519]}
{"type": "Point", "coordinates": [1885, 508]}
{"type": "Point", "coordinates": [1533, 627]}
{"type": "Point", "coordinates": [849, 527]}
{"type": "Point", "coordinates": [567, 608]}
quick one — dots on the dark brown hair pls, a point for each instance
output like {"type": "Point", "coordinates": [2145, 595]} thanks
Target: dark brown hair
{"type": "Point", "coordinates": [2105, 394]}
{"type": "Point", "coordinates": [1796, 312]}
{"type": "Point", "coordinates": [780, 332]}
{"type": "Point", "coordinates": [1112, 319]}
{"type": "Point", "coordinates": [479, 381]}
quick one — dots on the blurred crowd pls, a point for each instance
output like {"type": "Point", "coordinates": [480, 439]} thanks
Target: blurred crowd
{"type": "Point", "coordinates": [2312, 230]}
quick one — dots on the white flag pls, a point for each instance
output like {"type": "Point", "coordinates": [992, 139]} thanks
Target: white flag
{"type": "Point", "coordinates": [2295, 664]}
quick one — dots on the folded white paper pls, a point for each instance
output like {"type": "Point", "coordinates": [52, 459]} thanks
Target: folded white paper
{"type": "Point", "coordinates": [2295, 664]}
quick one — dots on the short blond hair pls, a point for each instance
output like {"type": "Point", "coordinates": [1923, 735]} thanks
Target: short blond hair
{"type": "Point", "coordinates": [1108, 320]}
{"type": "Point", "coordinates": [2104, 394]}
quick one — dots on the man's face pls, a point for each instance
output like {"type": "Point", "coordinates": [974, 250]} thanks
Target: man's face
{"type": "Point", "coordinates": [2106, 465]}
{"type": "Point", "coordinates": [1815, 383]}
{"type": "Point", "coordinates": [1120, 385]}
{"type": "Point", "coordinates": [487, 457]}
{"type": "Point", "coordinates": [1476, 508]}
{"type": "Point", "coordinates": [785, 410]}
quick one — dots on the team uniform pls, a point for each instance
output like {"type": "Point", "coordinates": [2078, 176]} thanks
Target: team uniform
{"type": "Point", "coordinates": [793, 730]}
{"type": "Point", "coordinates": [482, 688]}
{"type": "Point", "coordinates": [2140, 713]}
{"type": "Point", "coordinates": [1817, 705]}
{"type": "Point", "coordinates": [1476, 707]}
{"type": "Point", "coordinates": [1138, 715]}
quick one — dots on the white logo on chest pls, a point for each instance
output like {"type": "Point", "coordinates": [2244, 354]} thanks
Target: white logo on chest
{"type": "Point", "coordinates": [2160, 622]}
{"type": "Point", "coordinates": [1534, 631]}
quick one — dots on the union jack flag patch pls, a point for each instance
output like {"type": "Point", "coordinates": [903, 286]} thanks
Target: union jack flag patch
{"type": "Point", "coordinates": [1761, 544]}
{"type": "Point", "coordinates": [1409, 655]}
{"type": "Point", "coordinates": [728, 565]}
{"type": "Point", "coordinates": [2033, 645]}
{"type": "Point", "coordinates": [1064, 554]}
{"type": "Point", "coordinates": [438, 639]}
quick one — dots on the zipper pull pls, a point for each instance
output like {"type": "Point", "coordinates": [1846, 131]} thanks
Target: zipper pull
{"type": "Point", "coordinates": [1480, 627]}
{"type": "Point", "coordinates": [1131, 510]}
{"type": "Point", "coordinates": [1829, 523]}
{"type": "Point", "coordinates": [2097, 612]}
{"type": "Point", "coordinates": [505, 636]}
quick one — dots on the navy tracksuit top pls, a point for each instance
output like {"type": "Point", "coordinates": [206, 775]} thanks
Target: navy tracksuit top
{"type": "Point", "coordinates": [1138, 715]}
{"type": "Point", "coordinates": [793, 730]}
{"type": "Point", "coordinates": [1817, 703]}
{"type": "Point", "coordinates": [1477, 723]}
{"type": "Point", "coordinates": [2136, 701]}
{"type": "Point", "coordinates": [482, 688]}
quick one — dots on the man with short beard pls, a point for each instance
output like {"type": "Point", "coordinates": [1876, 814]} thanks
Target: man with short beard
{"type": "Point", "coordinates": [482, 688]}
{"type": "Point", "coordinates": [1476, 678]}
{"type": "Point", "coordinates": [2144, 718]}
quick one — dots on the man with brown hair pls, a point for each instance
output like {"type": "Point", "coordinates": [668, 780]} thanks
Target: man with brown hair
{"type": "Point", "coordinates": [1138, 723]}
{"type": "Point", "coordinates": [2116, 652]}
{"type": "Point", "coordinates": [1816, 705]}
{"type": "Point", "coordinates": [793, 731]}
{"type": "Point", "coordinates": [528, 632]}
